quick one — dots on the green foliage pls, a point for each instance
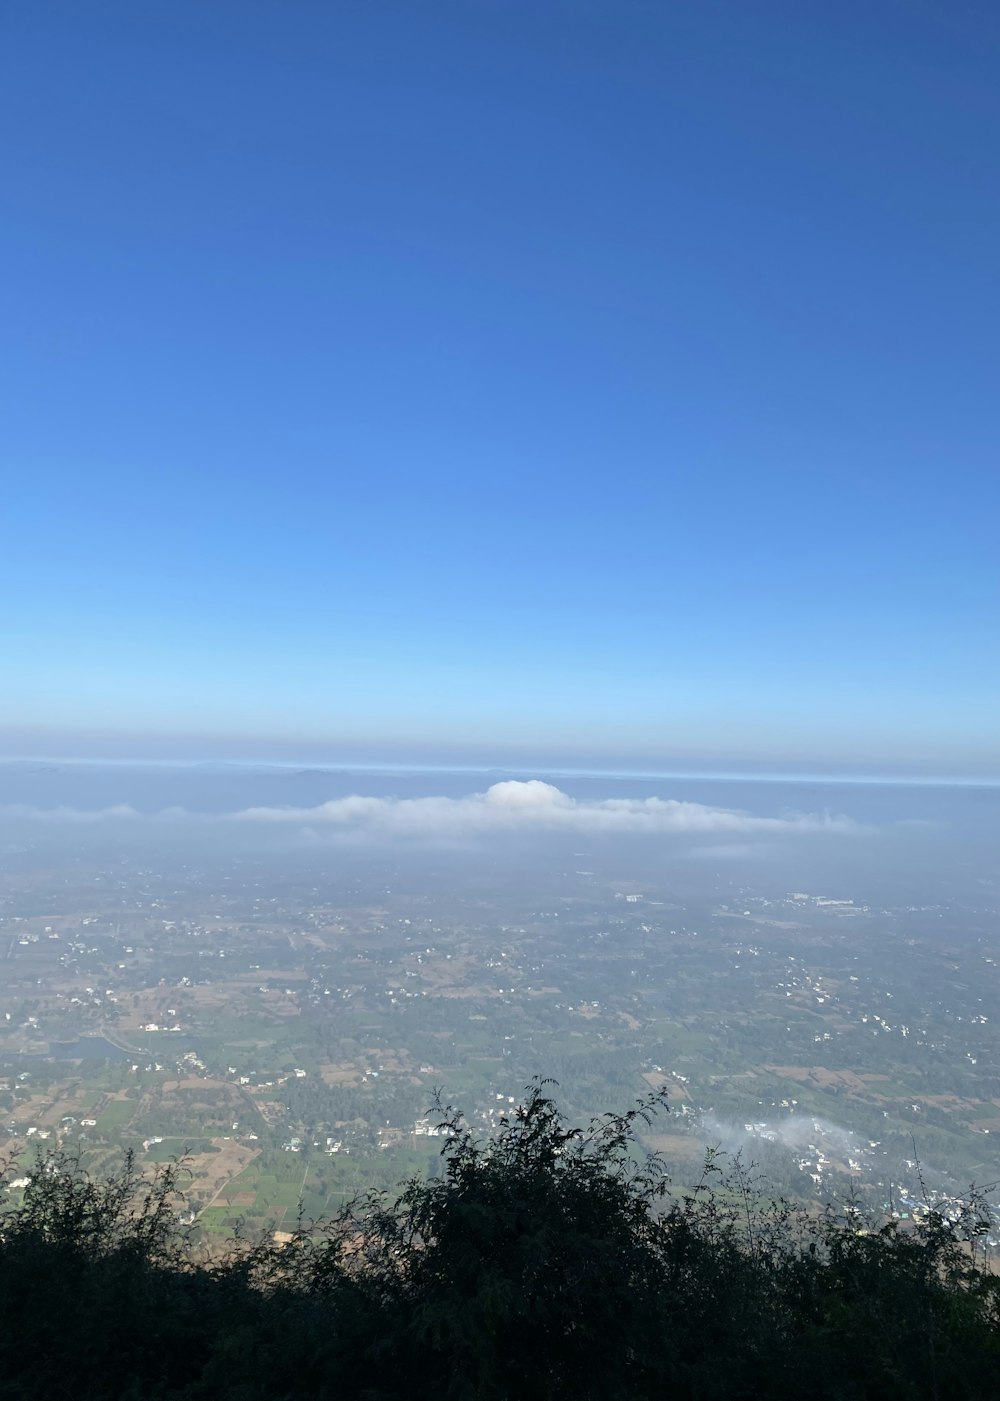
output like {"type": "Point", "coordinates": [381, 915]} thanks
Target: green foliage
{"type": "Point", "coordinates": [545, 1261]}
{"type": "Point", "coordinates": [496, 1264]}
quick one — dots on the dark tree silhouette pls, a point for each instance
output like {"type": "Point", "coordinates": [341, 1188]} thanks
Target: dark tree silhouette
{"type": "Point", "coordinates": [543, 1261]}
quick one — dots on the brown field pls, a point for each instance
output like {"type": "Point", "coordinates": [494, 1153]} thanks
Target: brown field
{"type": "Point", "coordinates": [676, 1147]}
{"type": "Point", "coordinates": [340, 1076]}
{"type": "Point", "coordinates": [820, 1076]}
{"type": "Point", "coordinates": [195, 1082]}
{"type": "Point", "coordinates": [212, 1172]}
{"type": "Point", "coordinates": [656, 1079]}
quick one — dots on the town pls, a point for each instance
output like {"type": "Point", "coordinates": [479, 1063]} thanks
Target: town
{"type": "Point", "coordinates": [291, 1047]}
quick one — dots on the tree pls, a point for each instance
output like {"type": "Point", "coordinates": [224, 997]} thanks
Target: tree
{"type": "Point", "coordinates": [528, 1268]}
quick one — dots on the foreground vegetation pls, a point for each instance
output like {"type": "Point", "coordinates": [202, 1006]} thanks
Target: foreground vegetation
{"type": "Point", "coordinates": [545, 1262]}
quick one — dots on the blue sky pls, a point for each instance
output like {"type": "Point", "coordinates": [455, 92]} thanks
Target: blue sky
{"type": "Point", "coordinates": [596, 380]}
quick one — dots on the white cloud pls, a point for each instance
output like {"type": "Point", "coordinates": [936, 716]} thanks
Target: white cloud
{"type": "Point", "coordinates": [513, 806]}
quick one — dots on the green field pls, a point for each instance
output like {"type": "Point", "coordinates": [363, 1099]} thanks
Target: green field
{"type": "Point", "coordinates": [114, 1117]}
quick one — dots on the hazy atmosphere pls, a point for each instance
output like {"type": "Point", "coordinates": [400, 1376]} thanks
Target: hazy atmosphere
{"type": "Point", "coordinates": [499, 693]}
{"type": "Point", "coordinates": [290, 959]}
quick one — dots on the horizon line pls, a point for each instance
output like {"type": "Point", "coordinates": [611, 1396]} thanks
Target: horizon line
{"type": "Point", "coordinates": [535, 770]}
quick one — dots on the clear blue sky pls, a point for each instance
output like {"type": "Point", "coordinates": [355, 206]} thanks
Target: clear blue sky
{"type": "Point", "coordinates": [595, 378]}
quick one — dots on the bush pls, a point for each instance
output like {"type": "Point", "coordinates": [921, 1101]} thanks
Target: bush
{"type": "Point", "coordinates": [545, 1261]}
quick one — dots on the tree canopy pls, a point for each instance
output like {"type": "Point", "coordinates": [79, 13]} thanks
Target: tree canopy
{"type": "Point", "coordinates": [544, 1261]}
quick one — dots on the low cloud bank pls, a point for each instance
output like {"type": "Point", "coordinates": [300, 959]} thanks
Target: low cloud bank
{"type": "Point", "coordinates": [516, 806]}
{"type": "Point", "coordinates": [513, 806]}
{"type": "Point", "coordinates": [23, 812]}
{"type": "Point", "coordinates": [795, 1132]}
